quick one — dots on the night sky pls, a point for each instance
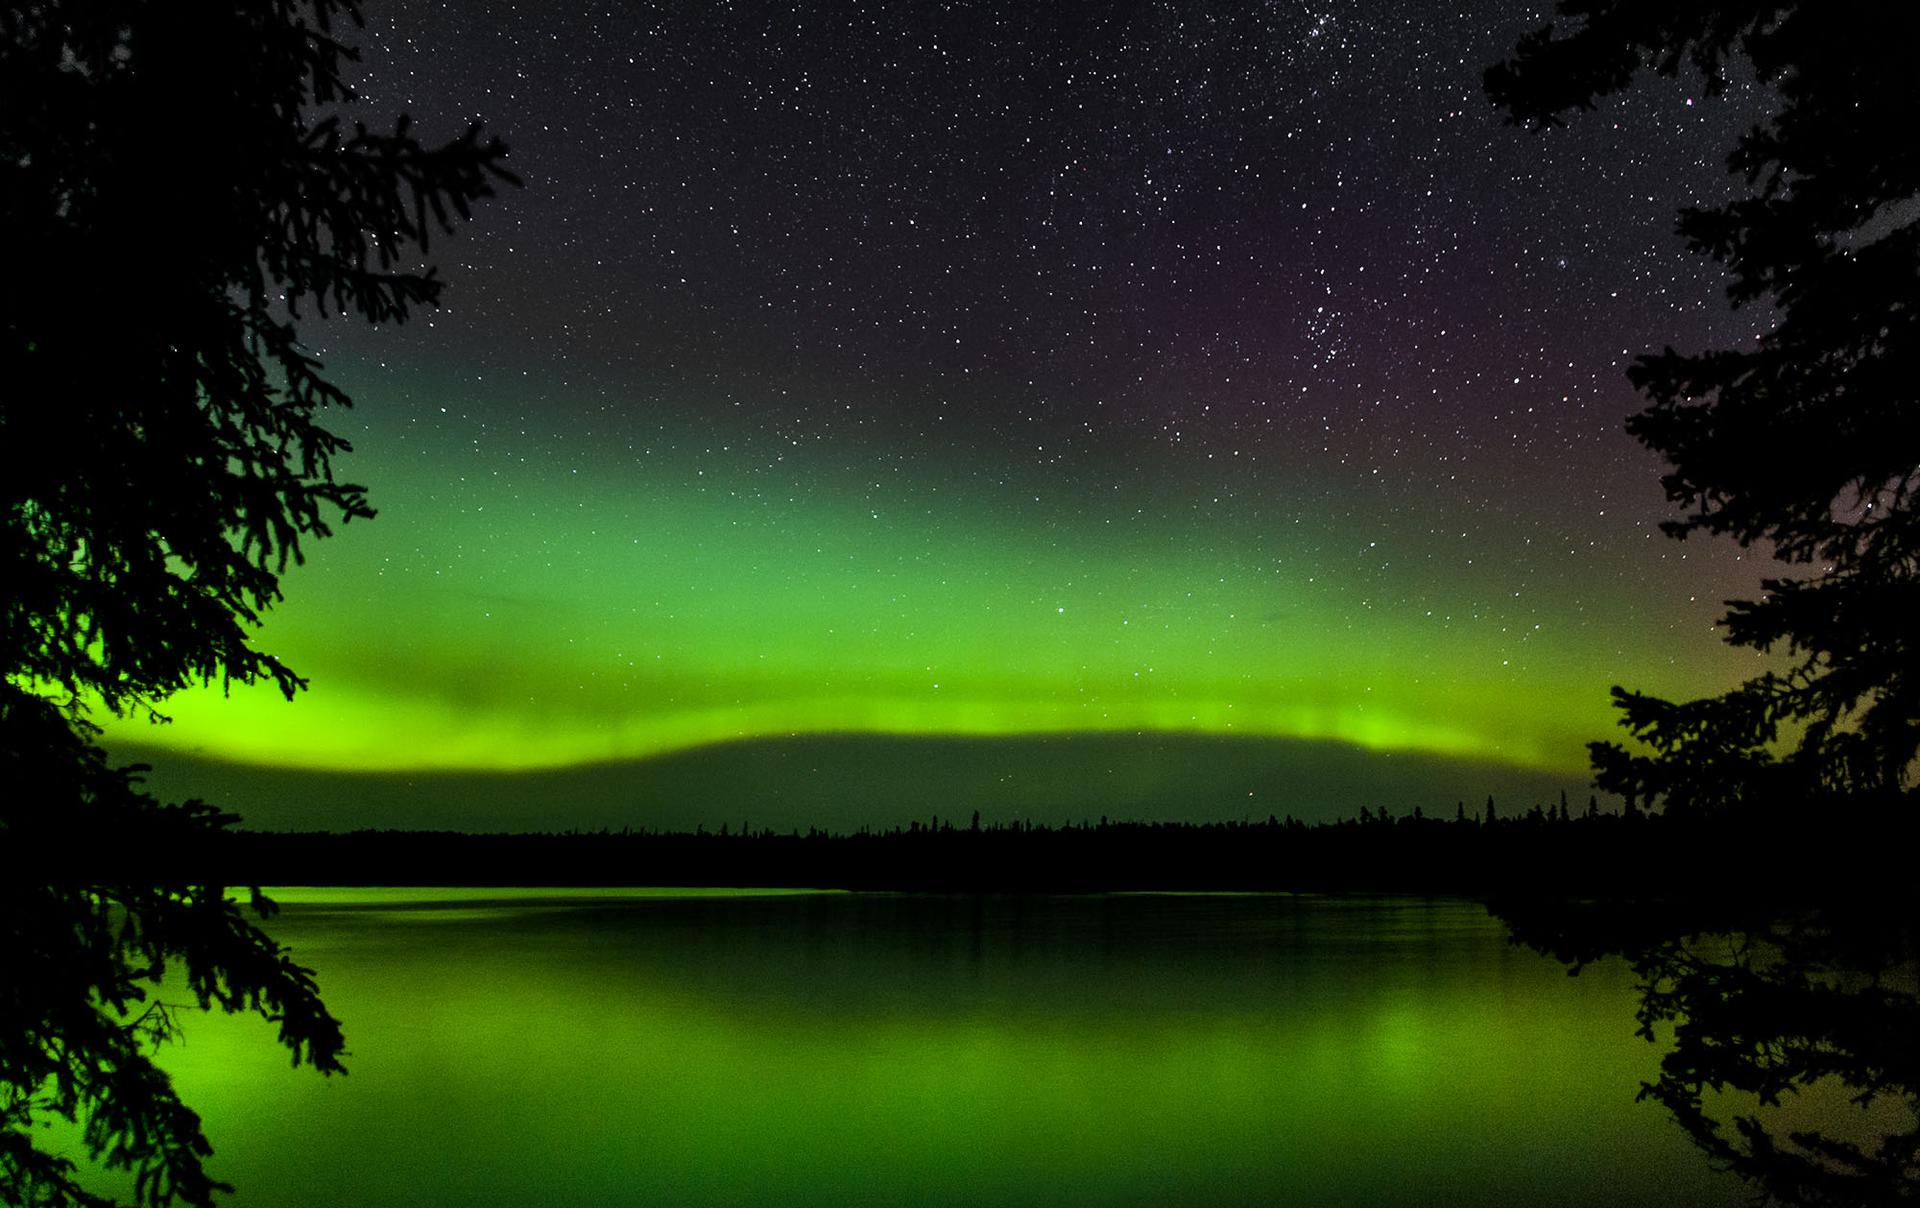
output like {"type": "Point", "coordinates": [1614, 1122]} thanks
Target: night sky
{"type": "Point", "coordinates": [1201, 377]}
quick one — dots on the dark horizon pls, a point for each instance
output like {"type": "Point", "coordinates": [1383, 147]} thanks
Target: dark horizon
{"type": "Point", "coordinates": [844, 782]}
{"type": "Point", "coordinates": [1564, 860]}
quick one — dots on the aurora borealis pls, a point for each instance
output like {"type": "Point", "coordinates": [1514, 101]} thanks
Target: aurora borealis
{"type": "Point", "coordinates": [999, 371]}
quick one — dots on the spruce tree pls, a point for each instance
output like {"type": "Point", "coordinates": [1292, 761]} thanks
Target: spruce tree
{"type": "Point", "coordinates": [1804, 442]}
{"type": "Point", "coordinates": [179, 194]}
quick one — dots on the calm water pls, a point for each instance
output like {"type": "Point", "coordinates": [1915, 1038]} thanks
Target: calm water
{"type": "Point", "coordinates": [623, 1048]}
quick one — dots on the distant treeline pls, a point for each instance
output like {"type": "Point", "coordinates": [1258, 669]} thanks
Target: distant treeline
{"type": "Point", "coordinates": [1547, 849]}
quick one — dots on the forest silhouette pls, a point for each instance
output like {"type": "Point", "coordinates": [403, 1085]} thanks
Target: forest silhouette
{"type": "Point", "coordinates": [1541, 851]}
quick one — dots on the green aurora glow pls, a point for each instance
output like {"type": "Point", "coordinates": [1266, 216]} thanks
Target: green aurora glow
{"type": "Point", "coordinates": [1069, 399]}
{"type": "Point", "coordinates": [509, 613]}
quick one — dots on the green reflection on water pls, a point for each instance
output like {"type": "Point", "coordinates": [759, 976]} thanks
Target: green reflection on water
{"type": "Point", "coordinates": [416, 896]}
{"type": "Point", "coordinates": [855, 1049]}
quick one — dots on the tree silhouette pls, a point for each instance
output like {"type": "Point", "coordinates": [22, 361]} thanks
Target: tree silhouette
{"type": "Point", "coordinates": [179, 193]}
{"type": "Point", "coordinates": [1807, 440]}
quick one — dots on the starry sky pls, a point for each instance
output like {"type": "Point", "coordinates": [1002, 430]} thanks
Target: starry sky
{"type": "Point", "coordinates": [975, 371]}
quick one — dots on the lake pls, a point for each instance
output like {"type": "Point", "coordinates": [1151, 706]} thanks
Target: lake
{"type": "Point", "coordinates": [728, 1047]}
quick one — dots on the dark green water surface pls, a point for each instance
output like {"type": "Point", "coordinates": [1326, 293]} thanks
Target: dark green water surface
{"type": "Point", "coordinates": [622, 1047]}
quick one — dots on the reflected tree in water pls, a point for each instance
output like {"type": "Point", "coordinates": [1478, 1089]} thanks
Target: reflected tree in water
{"type": "Point", "coordinates": [1804, 442]}
{"type": "Point", "coordinates": [1793, 1033]}
{"type": "Point", "coordinates": [1794, 1010]}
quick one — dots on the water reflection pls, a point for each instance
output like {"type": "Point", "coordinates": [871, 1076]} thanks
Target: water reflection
{"type": "Point", "coordinates": [835, 1049]}
{"type": "Point", "coordinates": [1794, 1059]}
